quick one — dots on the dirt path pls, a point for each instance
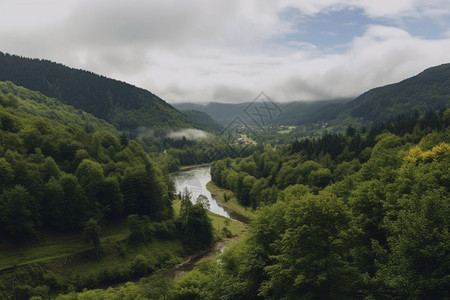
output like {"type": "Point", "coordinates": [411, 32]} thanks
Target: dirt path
{"type": "Point", "coordinates": [190, 263]}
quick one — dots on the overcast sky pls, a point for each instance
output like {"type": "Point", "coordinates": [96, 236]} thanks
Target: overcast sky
{"type": "Point", "coordinates": [230, 50]}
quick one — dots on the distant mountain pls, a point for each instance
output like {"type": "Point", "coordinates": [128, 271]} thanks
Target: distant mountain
{"type": "Point", "coordinates": [292, 113]}
{"type": "Point", "coordinates": [203, 120]}
{"type": "Point", "coordinates": [223, 113]}
{"type": "Point", "coordinates": [429, 90]}
{"type": "Point", "coordinates": [125, 106]}
{"type": "Point", "coordinates": [306, 112]}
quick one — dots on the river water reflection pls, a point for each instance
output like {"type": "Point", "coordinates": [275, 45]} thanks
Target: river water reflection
{"type": "Point", "coordinates": [195, 181]}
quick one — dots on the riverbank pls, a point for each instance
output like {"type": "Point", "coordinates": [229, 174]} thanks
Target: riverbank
{"type": "Point", "coordinates": [226, 232]}
{"type": "Point", "coordinates": [185, 168]}
{"type": "Point", "coordinates": [232, 205]}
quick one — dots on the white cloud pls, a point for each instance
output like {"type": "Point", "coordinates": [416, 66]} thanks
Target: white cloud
{"type": "Point", "coordinates": [204, 50]}
{"type": "Point", "coordinates": [381, 56]}
{"type": "Point", "coordinates": [189, 133]}
{"type": "Point", "coordinates": [375, 9]}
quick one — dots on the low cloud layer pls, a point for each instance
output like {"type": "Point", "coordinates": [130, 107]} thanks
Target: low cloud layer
{"type": "Point", "coordinates": [189, 133]}
{"type": "Point", "coordinates": [229, 51]}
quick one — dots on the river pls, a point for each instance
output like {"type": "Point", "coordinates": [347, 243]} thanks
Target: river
{"type": "Point", "coordinates": [195, 180]}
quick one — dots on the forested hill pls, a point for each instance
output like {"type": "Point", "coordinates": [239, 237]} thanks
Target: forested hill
{"type": "Point", "coordinates": [429, 90]}
{"type": "Point", "coordinates": [223, 113]}
{"type": "Point", "coordinates": [124, 105]}
{"type": "Point", "coordinates": [37, 104]}
{"type": "Point", "coordinates": [203, 120]}
{"type": "Point", "coordinates": [291, 112]}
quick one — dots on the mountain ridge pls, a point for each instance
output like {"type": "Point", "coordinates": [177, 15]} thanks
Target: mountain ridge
{"type": "Point", "coordinates": [428, 90]}
{"type": "Point", "coordinates": [124, 105]}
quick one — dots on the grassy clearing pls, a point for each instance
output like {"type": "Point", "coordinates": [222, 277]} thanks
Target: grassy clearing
{"type": "Point", "coordinates": [121, 260]}
{"type": "Point", "coordinates": [72, 249]}
{"type": "Point", "coordinates": [284, 131]}
{"type": "Point", "coordinates": [232, 203]}
{"type": "Point", "coordinates": [53, 246]}
{"type": "Point", "coordinates": [219, 222]}
{"type": "Point", "coordinates": [184, 168]}
{"type": "Point", "coordinates": [176, 206]}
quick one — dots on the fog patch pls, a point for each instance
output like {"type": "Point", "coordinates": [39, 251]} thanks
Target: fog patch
{"type": "Point", "coordinates": [189, 133]}
{"type": "Point", "coordinates": [143, 132]}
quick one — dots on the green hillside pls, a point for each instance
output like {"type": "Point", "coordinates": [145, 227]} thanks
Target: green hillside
{"type": "Point", "coordinates": [37, 104]}
{"type": "Point", "coordinates": [56, 176]}
{"type": "Point", "coordinates": [203, 120]}
{"type": "Point", "coordinates": [223, 113]}
{"type": "Point", "coordinates": [429, 90]}
{"type": "Point", "coordinates": [292, 113]}
{"type": "Point", "coordinates": [300, 113]}
{"type": "Point", "coordinates": [123, 105]}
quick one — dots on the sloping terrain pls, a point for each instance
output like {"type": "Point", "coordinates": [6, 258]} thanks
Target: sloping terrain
{"type": "Point", "coordinates": [123, 105]}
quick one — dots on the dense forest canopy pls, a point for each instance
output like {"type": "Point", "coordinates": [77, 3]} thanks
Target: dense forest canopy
{"type": "Point", "coordinates": [344, 216]}
{"type": "Point", "coordinates": [35, 103]}
{"type": "Point", "coordinates": [203, 120]}
{"type": "Point", "coordinates": [58, 176]}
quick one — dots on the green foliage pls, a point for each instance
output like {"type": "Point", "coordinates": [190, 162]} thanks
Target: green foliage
{"type": "Point", "coordinates": [72, 209]}
{"type": "Point", "coordinates": [185, 206]}
{"type": "Point", "coordinates": [203, 200]}
{"type": "Point", "coordinates": [141, 230]}
{"type": "Point", "coordinates": [129, 291]}
{"type": "Point", "coordinates": [146, 192]}
{"type": "Point", "coordinates": [203, 120]}
{"type": "Point", "coordinates": [37, 104]}
{"type": "Point", "coordinates": [92, 233]}
{"type": "Point", "coordinates": [417, 226]}
{"type": "Point", "coordinates": [56, 175]}
{"type": "Point", "coordinates": [6, 173]}
{"type": "Point", "coordinates": [376, 226]}
{"type": "Point", "coordinates": [312, 257]}
{"type": "Point", "coordinates": [191, 286]}
{"type": "Point", "coordinates": [16, 206]}
{"type": "Point", "coordinates": [198, 229]}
